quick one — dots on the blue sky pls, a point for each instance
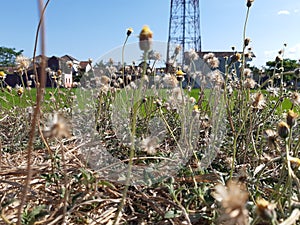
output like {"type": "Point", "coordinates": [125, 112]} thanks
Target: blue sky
{"type": "Point", "coordinates": [90, 28]}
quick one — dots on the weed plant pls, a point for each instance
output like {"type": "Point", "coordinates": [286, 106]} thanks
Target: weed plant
{"type": "Point", "coordinates": [242, 170]}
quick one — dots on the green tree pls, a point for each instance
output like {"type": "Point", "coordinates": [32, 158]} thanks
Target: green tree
{"type": "Point", "coordinates": [8, 56]}
{"type": "Point", "coordinates": [289, 67]}
{"type": "Point", "coordinates": [287, 64]}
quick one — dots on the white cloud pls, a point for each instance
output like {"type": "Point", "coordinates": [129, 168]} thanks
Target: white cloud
{"type": "Point", "coordinates": [283, 12]}
{"type": "Point", "coordinates": [296, 10]}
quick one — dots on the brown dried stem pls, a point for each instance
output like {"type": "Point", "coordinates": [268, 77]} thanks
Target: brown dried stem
{"type": "Point", "coordinates": [35, 119]}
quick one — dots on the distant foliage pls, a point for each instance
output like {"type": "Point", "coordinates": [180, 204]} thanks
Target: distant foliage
{"type": "Point", "coordinates": [8, 56]}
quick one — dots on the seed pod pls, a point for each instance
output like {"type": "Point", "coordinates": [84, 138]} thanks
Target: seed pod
{"type": "Point", "coordinates": [291, 118]}
{"type": "Point", "coordinates": [283, 129]}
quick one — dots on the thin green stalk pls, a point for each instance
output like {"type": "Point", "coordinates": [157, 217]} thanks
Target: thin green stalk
{"type": "Point", "coordinates": [132, 149]}
{"type": "Point", "coordinates": [243, 102]}
{"type": "Point", "coordinates": [235, 143]}
{"type": "Point", "coordinates": [123, 50]}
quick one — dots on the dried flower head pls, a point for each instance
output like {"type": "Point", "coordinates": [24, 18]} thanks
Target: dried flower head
{"type": "Point", "coordinates": [278, 58]}
{"type": "Point", "coordinates": [58, 72]}
{"type": "Point", "coordinates": [193, 55]}
{"type": "Point", "coordinates": [69, 64]}
{"type": "Point", "coordinates": [233, 198]}
{"type": "Point", "coordinates": [249, 83]}
{"type": "Point", "coordinates": [129, 31]}
{"type": "Point", "coordinates": [265, 209]}
{"type": "Point", "coordinates": [295, 98]}
{"type": "Point", "coordinates": [192, 100]}
{"type": "Point", "coordinates": [22, 62]}
{"type": "Point", "coordinates": [56, 127]}
{"type": "Point", "coordinates": [216, 78]}
{"type": "Point", "coordinates": [283, 129]}
{"type": "Point", "coordinates": [271, 137]}
{"type": "Point", "coordinates": [111, 61]}
{"type": "Point", "coordinates": [249, 3]}
{"type": "Point", "coordinates": [145, 38]}
{"type": "Point", "coordinates": [246, 41]}
{"type": "Point", "coordinates": [258, 101]}
{"type": "Point", "coordinates": [291, 118]}
{"type": "Point", "coordinates": [294, 160]}
{"type": "Point", "coordinates": [247, 72]}
{"type": "Point", "coordinates": [236, 57]}
{"type": "Point", "coordinates": [170, 80]}
{"type": "Point", "coordinates": [177, 49]}
{"type": "Point", "coordinates": [104, 80]}
{"type": "Point", "coordinates": [211, 60]}
{"type": "Point", "coordinates": [273, 91]}
{"type": "Point", "coordinates": [149, 145]}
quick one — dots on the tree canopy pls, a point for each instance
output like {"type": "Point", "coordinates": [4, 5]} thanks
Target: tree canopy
{"type": "Point", "coordinates": [287, 64]}
{"type": "Point", "coordinates": [8, 56]}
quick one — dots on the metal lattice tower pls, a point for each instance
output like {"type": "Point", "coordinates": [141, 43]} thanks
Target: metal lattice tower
{"type": "Point", "coordinates": [184, 28]}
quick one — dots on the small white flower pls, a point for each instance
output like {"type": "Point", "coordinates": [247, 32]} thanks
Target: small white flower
{"type": "Point", "coordinates": [22, 62]}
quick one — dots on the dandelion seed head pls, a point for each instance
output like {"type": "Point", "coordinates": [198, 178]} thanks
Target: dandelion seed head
{"type": "Point", "coordinates": [233, 198]}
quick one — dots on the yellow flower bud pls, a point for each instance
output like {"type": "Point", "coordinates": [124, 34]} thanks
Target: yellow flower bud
{"type": "Point", "coordinates": [145, 38]}
{"type": "Point", "coordinates": [129, 31]}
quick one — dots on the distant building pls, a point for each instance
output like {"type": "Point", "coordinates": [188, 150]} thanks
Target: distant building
{"type": "Point", "coordinates": [68, 66]}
